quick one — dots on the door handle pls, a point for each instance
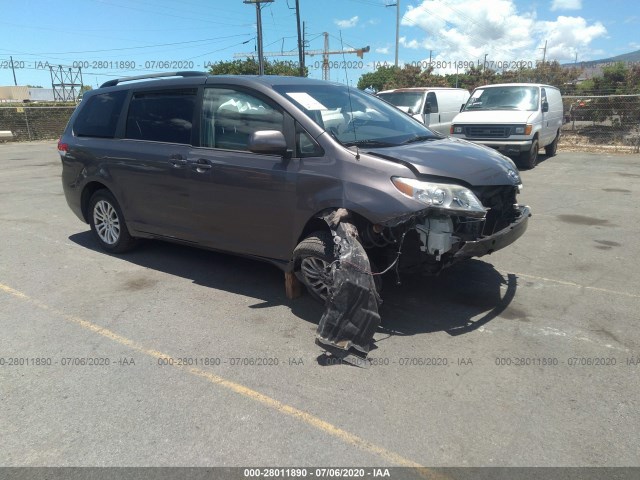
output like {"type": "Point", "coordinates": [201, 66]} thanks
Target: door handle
{"type": "Point", "coordinates": [177, 160]}
{"type": "Point", "coordinates": [201, 165]}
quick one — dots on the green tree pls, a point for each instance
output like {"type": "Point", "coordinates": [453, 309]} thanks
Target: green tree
{"type": "Point", "coordinates": [249, 66]}
{"type": "Point", "coordinates": [386, 77]}
{"type": "Point", "coordinates": [471, 78]}
{"type": "Point", "coordinates": [378, 79]}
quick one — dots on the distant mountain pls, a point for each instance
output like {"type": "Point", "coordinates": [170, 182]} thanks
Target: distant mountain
{"type": "Point", "coordinates": [625, 57]}
{"type": "Point", "coordinates": [593, 68]}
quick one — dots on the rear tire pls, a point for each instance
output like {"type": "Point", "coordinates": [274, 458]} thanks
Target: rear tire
{"type": "Point", "coordinates": [108, 224]}
{"type": "Point", "coordinates": [529, 159]}
{"type": "Point", "coordinates": [552, 148]}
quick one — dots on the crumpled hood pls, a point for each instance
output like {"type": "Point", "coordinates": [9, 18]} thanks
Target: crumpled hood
{"type": "Point", "coordinates": [487, 117]}
{"type": "Point", "coordinates": [455, 158]}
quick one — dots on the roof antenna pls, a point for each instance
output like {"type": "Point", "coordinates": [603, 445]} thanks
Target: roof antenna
{"type": "Point", "coordinates": [346, 76]}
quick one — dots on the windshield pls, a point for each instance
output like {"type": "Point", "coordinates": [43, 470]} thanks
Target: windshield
{"type": "Point", "coordinates": [405, 100]}
{"type": "Point", "coordinates": [504, 98]}
{"type": "Point", "coordinates": [355, 118]}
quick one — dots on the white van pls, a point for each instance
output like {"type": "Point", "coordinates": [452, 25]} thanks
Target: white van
{"type": "Point", "coordinates": [515, 118]}
{"type": "Point", "coordinates": [433, 106]}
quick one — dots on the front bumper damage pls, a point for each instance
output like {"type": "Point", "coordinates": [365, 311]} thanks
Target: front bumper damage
{"type": "Point", "coordinates": [351, 316]}
{"type": "Point", "coordinates": [498, 240]}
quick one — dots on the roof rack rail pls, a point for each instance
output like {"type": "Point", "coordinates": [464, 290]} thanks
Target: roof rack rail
{"type": "Point", "coordinates": [112, 83]}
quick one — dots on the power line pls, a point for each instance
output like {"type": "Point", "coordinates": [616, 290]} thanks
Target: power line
{"type": "Point", "coordinates": [131, 48]}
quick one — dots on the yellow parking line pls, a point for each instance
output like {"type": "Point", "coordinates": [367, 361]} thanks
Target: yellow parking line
{"type": "Point", "coordinates": [572, 284]}
{"type": "Point", "coordinates": [301, 415]}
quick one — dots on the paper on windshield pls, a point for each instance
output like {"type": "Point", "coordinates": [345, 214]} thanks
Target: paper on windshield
{"type": "Point", "coordinates": [306, 100]}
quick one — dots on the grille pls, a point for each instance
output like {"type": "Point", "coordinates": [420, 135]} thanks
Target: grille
{"type": "Point", "coordinates": [488, 131]}
{"type": "Point", "coordinates": [499, 199]}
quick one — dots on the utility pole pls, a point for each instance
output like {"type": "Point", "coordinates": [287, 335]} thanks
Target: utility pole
{"type": "Point", "coordinates": [304, 40]}
{"type": "Point", "coordinates": [544, 52]}
{"type": "Point", "coordinates": [325, 52]}
{"type": "Point", "coordinates": [14, 72]}
{"type": "Point", "coordinates": [397, 5]}
{"type": "Point", "coordinates": [484, 65]}
{"type": "Point", "coordinates": [300, 41]}
{"type": "Point", "coordinates": [259, 23]}
{"type": "Point", "coordinates": [325, 57]}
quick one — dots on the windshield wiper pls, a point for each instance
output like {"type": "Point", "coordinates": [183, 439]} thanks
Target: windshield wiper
{"type": "Point", "coordinates": [369, 143]}
{"type": "Point", "coordinates": [419, 138]}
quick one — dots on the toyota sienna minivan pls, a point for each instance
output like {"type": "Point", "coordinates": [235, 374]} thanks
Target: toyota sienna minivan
{"type": "Point", "coordinates": [252, 166]}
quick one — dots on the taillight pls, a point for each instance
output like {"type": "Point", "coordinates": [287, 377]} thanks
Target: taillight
{"type": "Point", "coordinates": [63, 148]}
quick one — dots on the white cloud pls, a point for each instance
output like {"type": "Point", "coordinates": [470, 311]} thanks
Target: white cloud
{"type": "Point", "coordinates": [415, 44]}
{"type": "Point", "coordinates": [349, 23]}
{"type": "Point", "coordinates": [569, 34]}
{"type": "Point", "coordinates": [566, 5]}
{"type": "Point", "coordinates": [383, 50]}
{"type": "Point", "coordinates": [466, 30]}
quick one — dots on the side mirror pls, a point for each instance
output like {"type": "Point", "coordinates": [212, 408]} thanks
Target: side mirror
{"type": "Point", "coordinates": [462, 107]}
{"type": "Point", "coordinates": [267, 141]}
{"type": "Point", "coordinates": [545, 106]}
{"type": "Point", "coordinates": [427, 108]}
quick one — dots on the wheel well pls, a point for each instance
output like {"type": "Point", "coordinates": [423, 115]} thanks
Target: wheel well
{"type": "Point", "coordinates": [316, 223]}
{"type": "Point", "coordinates": [89, 189]}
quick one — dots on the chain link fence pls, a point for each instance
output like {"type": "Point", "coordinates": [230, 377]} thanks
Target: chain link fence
{"type": "Point", "coordinates": [611, 121]}
{"type": "Point", "coordinates": [33, 123]}
{"type": "Point", "coordinates": [606, 121]}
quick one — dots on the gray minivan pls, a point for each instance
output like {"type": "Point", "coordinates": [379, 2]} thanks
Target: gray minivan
{"type": "Point", "coordinates": [246, 165]}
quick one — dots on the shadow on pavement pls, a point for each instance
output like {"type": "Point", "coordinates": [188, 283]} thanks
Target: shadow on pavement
{"type": "Point", "coordinates": [459, 300]}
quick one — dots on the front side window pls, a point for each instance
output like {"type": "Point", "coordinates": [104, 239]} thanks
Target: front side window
{"type": "Point", "coordinates": [230, 116]}
{"type": "Point", "coordinates": [99, 117]}
{"type": "Point", "coordinates": [162, 116]}
{"type": "Point", "coordinates": [504, 98]}
{"type": "Point", "coordinates": [353, 117]}
{"type": "Point", "coordinates": [432, 102]}
{"type": "Point", "coordinates": [404, 100]}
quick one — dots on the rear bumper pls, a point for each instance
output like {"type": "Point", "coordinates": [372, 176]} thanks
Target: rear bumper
{"type": "Point", "coordinates": [498, 240]}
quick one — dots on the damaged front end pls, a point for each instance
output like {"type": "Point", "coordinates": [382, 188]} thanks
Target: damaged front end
{"type": "Point", "coordinates": [459, 223]}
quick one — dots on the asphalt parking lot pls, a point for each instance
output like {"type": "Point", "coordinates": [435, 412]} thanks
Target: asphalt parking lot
{"type": "Point", "coordinates": [529, 357]}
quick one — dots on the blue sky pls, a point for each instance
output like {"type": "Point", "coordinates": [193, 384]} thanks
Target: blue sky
{"type": "Point", "coordinates": [116, 38]}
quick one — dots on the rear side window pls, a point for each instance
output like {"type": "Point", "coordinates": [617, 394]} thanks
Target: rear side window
{"type": "Point", "coordinates": [99, 117]}
{"type": "Point", "coordinates": [164, 116]}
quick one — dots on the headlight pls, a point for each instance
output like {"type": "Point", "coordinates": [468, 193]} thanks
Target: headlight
{"type": "Point", "coordinates": [455, 129]}
{"type": "Point", "coordinates": [525, 130]}
{"type": "Point", "coordinates": [448, 197]}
